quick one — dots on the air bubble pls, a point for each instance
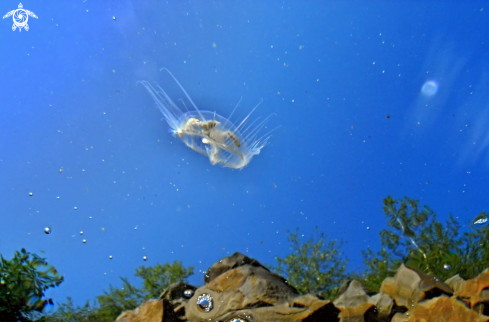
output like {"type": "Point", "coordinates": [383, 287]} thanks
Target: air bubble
{"type": "Point", "coordinates": [481, 220]}
{"type": "Point", "coordinates": [188, 293]}
{"type": "Point", "coordinates": [47, 230]}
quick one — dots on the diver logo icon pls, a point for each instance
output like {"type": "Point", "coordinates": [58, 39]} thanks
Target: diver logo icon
{"type": "Point", "coordinates": [20, 17]}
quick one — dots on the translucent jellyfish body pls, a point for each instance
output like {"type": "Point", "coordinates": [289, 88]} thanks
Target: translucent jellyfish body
{"type": "Point", "coordinates": [211, 134]}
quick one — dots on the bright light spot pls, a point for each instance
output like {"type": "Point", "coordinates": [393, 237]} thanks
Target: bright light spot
{"type": "Point", "coordinates": [429, 88]}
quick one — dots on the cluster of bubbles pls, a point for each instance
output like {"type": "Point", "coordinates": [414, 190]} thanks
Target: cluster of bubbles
{"type": "Point", "coordinates": [205, 302]}
{"type": "Point", "coordinates": [47, 230]}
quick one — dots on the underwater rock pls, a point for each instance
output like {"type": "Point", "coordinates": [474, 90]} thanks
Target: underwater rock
{"type": "Point", "coordinates": [230, 262]}
{"type": "Point", "coordinates": [440, 309]}
{"type": "Point", "coordinates": [474, 292]}
{"type": "Point", "coordinates": [409, 286]}
{"type": "Point", "coordinates": [150, 311]}
{"type": "Point", "coordinates": [240, 289]}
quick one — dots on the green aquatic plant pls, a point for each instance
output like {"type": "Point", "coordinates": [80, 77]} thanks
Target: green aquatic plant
{"type": "Point", "coordinates": [23, 282]}
{"type": "Point", "coordinates": [475, 253]}
{"type": "Point", "coordinates": [117, 300]}
{"type": "Point", "coordinates": [416, 238]}
{"type": "Point", "coordinates": [314, 266]}
{"type": "Point", "coordinates": [67, 312]}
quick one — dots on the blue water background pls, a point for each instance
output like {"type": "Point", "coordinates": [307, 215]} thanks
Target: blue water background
{"type": "Point", "coordinates": [344, 79]}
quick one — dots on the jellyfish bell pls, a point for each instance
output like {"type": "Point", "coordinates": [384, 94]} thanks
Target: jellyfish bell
{"type": "Point", "coordinates": [209, 133]}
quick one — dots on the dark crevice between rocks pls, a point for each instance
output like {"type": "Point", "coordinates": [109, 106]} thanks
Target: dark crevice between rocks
{"type": "Point", "coordinates": [327, 313]}
{"type": "Point", "coordinates": [434, 292]}
{"type": "Point", "coordinates": [180, 311]}
{"type": "Point", "coordinates": [371, 315]}
{"type": "Point", "coordinates": [168, 313]}
{"type": "Point", "coordinates": [397, 309]}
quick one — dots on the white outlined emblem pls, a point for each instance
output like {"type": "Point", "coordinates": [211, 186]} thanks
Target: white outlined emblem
{"type": "Point", "coordinates": [20, 17]}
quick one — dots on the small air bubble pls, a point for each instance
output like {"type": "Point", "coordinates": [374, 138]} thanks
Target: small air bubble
{"type": "Point", "coordinates": [31, 194]}
{"type": "Point", "coordinates": [84, 241]}
{"type": "Point", "coordinates": [110, 257]}
{"type": "Point", "coordinates": [81, 232]}
{"type": "Point", "coordinates": [145, 258]}
{"type": "Point", "coordinates": [75, 207]}
{"type": "Point", "coordinates": [47, 230]}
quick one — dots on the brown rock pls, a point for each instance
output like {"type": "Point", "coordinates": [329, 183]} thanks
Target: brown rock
{"type": "Point", "coordinates": [240, 289]}
{"type": "Point", "coordinates": [475, 292]}
{"type": "Point", "coordinates": [384, 305]}
{"type": "Point", "coordinates": [248, 291]}
{"type": "Point", "coordinates": [230, 262]}
{"type": "Point", "coordinates": [454, 282]}
{"type": "Point", "coordinates": [409, 286]}
{"type": "Point", "coordinates": [443, 309]}
{"type": "Point", "coordinates": [353, 303]}
{"type": "Point", "coordinates": [150, 311]}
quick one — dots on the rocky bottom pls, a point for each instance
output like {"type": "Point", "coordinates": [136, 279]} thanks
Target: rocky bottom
{"type": "Point", "coordinates": [240, 289]}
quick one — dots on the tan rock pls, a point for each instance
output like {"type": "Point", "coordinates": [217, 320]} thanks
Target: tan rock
{"type": "Point", "coordinates": [475, 292]}
{"type": "Point", "coordinates": [248, 291]}
{"type": "Point", "coordinates": [409, 286]}
{"type": "Point", "coordinates": [150, 311]}
{"type": "Point", "coordinates": [443, 309]}
{"type": "Point", "coordinates": [240, 289]}
{"type": "Point", "coordinates": [454, 282]}
{"type": "Point", "coordinates": [353, 303]}
{"type": "Point", "coordinates": [384, 304]}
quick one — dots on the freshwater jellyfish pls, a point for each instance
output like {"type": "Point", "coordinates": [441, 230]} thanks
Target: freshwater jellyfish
{"type": "Point", "coordinates": [429, 88]}
{"type": "Point", "coordinates": [222, 141]}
